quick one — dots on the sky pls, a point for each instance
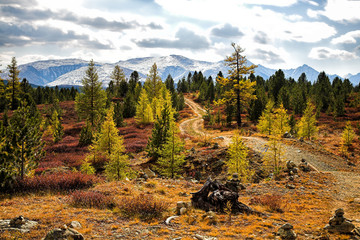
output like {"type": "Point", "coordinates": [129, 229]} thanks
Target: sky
{"type": "Point", "coordinates": [279, 34]}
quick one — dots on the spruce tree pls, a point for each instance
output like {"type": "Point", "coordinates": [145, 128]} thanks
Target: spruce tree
{"type": "Point", "coordinates": [307, 124]}
{"type": "Point", "coordinates": [238, 162]}
{"type": "Point", "coordinates": [118, 114]}
{"type": "Point", "coordinates": [25, 137]}
{"type": "Point", "coordinates": [171, 157]}
{"type": "Point", "coordinates": [118, 76]}
{"type": "Point", "coordinates": [13, 87]}
{"type": "Point", "coordinates": [90, 104]}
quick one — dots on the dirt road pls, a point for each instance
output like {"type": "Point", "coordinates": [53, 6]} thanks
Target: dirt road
{"type": "Point", "coordinates": [347, 178]}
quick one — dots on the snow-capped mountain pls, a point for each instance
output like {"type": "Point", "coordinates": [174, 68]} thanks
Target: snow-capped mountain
{"type": "Point", "coordinates": [71, 71]}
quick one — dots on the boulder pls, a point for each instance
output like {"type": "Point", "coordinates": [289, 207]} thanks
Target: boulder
{"type": "Point", "coordinates": [75, 224]}
{"type": "Point", "coordinates": [149, 173]}
{"type": "Point", "coordinates": [64, 233]}
{"type": "Point", "coordinates": [19, 224]}
{"type": "Point", "coordinates": [286, 232]}
{"type": "Point", "coordinates": [210, 217]}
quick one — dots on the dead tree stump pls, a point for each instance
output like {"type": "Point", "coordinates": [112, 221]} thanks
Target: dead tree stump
{"type": "Point", "coordinates": [214, 196]}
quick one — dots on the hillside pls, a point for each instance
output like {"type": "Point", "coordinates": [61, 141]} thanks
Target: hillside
{"type": "Point", "coordinates": [307, 204]}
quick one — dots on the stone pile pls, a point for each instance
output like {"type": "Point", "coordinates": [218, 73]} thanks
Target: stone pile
{"type": "Point", "coordinates": [339, 224]}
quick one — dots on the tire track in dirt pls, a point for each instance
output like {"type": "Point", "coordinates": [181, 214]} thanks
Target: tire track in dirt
{"type": "Point", "coordinates": [347, 182]}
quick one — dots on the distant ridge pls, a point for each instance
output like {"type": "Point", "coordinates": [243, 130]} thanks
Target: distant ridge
{"type": "Point", "coordinates": [70, 71]}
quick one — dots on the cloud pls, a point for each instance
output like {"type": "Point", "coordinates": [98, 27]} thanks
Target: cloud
{"type": "Point", "coordinates": [267, 56]}
{"type": "Point", "coordinates": [347, 38]}
{"type": "Point", "coordinates": [184, 39]}
{"type": "Point", "coordinates": [65, 15]}
{"type": "Point", "coordinates": [24, 3]}
{"type": "Point", "coordinates": [340, 11]}
{"type": "Point", "coordinates": [23, 34]}
{"type": "Point", "coordinates": [261, 38]}
{"type": "Point", "coordinates": [226, 31]}
{"type": "Point", "coordinates": [322, 53]}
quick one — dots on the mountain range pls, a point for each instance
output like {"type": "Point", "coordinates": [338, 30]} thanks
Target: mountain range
{"type": "Point", "coordinates": [70, 71]}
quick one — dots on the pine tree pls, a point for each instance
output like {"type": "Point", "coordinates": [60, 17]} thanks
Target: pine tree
{"type": "Point", "coordinates": [13, 87]}
{"type": "Point", "coordinates": [160, 131]}
{"type": "Point", "coordinates": [266, 121]}
{"type": "Point", "coordinates": [117, 167]}
{"type": "Point", "coordinates": [90, 104]}
{"type": "Point", "coordinates": [171, 157]}
{"type": "Point", "coordinates": [56, 128]}
{"type": "Point", "coordinates": [237, 162]}
{"type": "Point", "coordinates": [307, 124]}
{"type": "Point", "coordinates": [108, 140]}
{"type": "Point", "coordinates": [144, 112]}
{"type": "Point", "coordinates": [153, 83]}
{"type": "Point", "coordinates": [25, 137]}
{"type": "Point", "coordinates": [129, 105]}
{"type": "Point", "coordinates": [118, 76]}
{"type": "Point", "coordinates": [118, 114]}
{"type": "Point", "coordinates": [348, 134]}
{"type": "Point", "coordinates": [238, 89]}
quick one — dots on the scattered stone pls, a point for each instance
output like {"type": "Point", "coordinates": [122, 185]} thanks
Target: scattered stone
{"type": "Point", "coordinates": [210, 217]}
{"type": "Point", "coordinates": [183, 210]}
{"type": "Point", "coordinates": [183, 194]}
{"type": "Point", "coordinates": [182, 207]}
{"type": "Point", "coordinates": [19, 224]}
{"type": "Point", "coordinates": [149, 173]}
{"type": "Point", "coordinates": [64, 233]}
{"type": "Point", "coordinates": [287, 135]}
{"type": "Point", "coordinates": [75, 224]}
{"type": "Point", "coordinates": [290, 186]}
{"type": "Point", "coordinates": [304, 166]}
{"type": "Point", "coordinates": [199, 237]}
{"type": "Point", "coordinates": [168, 220]}
{"type": "Point", "coordinates": [339, 224]}
{"type": "Point", "coordinates": [216, 146]}
{"type": "Point", "coordinates": [220, 138]}
{"type": "Point", "coordinates": [286, 232]}
{"type": "Point", "coordinates": [291, 168]}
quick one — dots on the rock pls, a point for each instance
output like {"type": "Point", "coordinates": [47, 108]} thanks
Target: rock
{"type": "Point", "coordinates": [183, 210]}
{"type": "Point", "coordinates": [286, 232]}
{"type": "Point", "coordinates": [339, 224]}
{"type": "Point", "coordinates": [168, 220]}
{"type": "Point", "coordinates": [63, 234]}
{"type": "Point", "coordinates": [75, 224]}
{"type": "Point", "coordinates": [290, 186]}
{"type": "Point", "coordinates": [216, 146]}
{"type": "Point", "coordinates": [19, 224]}
{"type": "Point", "coordinates": [210, 217]}
{"type": "Point", "coordinates": [304, 166]}
{"type": "Point", "coordinates": [200, 237]}
{"type": "Point", "coordinates": [149, 173]}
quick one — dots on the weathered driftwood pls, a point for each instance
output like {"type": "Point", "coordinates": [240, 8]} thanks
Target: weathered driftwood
{"type": "Point", "coordinates": [214, 196]}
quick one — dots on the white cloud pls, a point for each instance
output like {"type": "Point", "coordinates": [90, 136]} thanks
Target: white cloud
{"type": "Point", "coordinates": [341, 11]}
{"type": "Point", "coordinates": [347, 38]}
{"type": "Point", "coordinates": [322, 53]}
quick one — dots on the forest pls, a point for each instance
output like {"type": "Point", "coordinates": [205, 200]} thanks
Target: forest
{"type": "Point", "coordinates": [119, 159]}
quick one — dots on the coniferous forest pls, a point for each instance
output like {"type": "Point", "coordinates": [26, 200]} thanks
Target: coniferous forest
{"type": "Point", "coordinates": [122, 160]}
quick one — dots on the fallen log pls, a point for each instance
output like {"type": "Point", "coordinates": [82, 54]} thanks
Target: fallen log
{"type": "Point", "coordinates": [214, 196]}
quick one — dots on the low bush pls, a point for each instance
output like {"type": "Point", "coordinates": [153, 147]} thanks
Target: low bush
{"type": "Point", "coordinates": [56, 182]}
{"type": "Point", "coordinates": [143, 206]}
{"type": "Point", "coordinates": [91, 199]}
{"type": "Point", "coordinates": [272, 202]}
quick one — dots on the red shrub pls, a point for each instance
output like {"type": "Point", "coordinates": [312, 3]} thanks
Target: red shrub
{"type": "Point", "coordinates": [56, 182]}
{"type": "Point", "coordinates": [146, 207]}
{"type": "Point", "coordinates": [273, 202]}
{"type": "Point", "coordinates": [91, 199]}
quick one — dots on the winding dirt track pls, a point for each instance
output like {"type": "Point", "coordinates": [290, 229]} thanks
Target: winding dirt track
{"type": "Point", "coordinates": [347, 179]}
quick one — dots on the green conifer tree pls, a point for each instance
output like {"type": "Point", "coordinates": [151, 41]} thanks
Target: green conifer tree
{"type": "Point", "coordinates": [238, 162]}
{"type": "Point", "coordinates": [13, 87]}
{"type": "Point", "coordinates": [90, 104]}
{"type": "Point", "coordinates": [171, 157]}
{"type": "Point", "coordinates": [307, 124]}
